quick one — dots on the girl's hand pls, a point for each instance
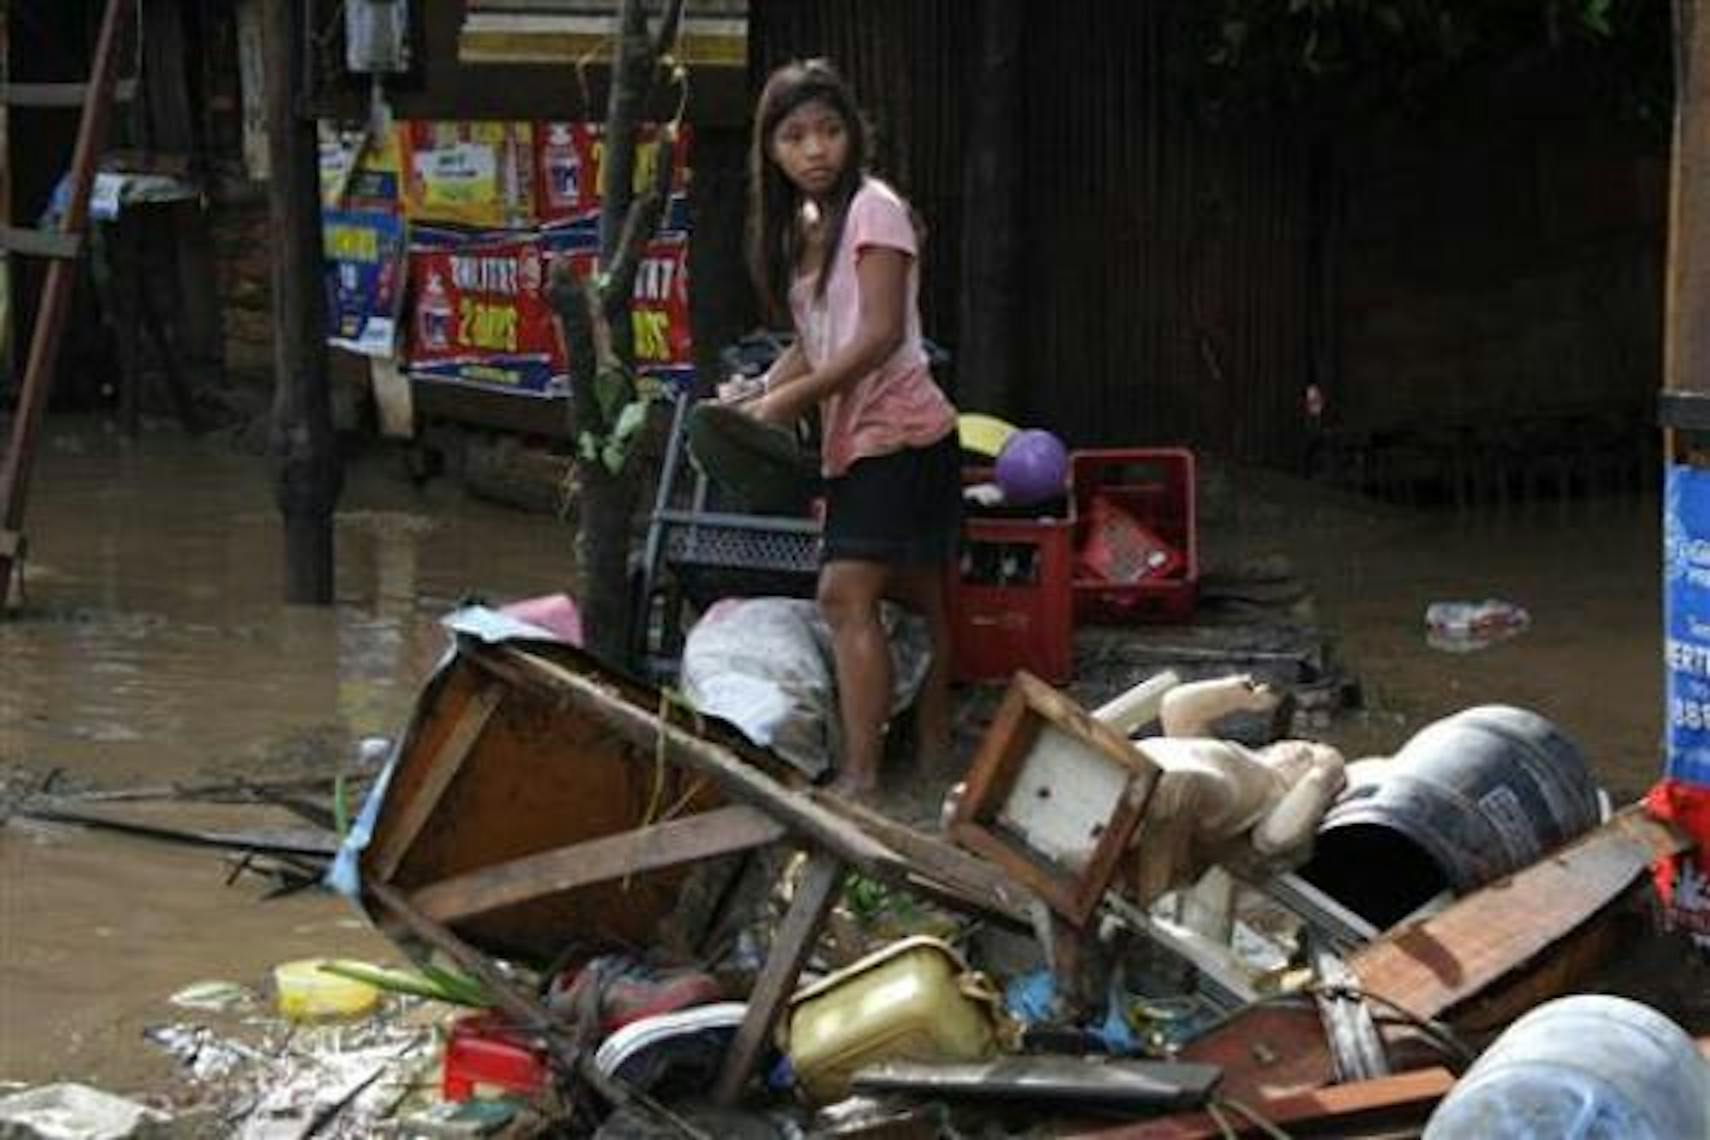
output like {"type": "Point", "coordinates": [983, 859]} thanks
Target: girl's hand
{"type": "Point", "coordinates": [780, 406]}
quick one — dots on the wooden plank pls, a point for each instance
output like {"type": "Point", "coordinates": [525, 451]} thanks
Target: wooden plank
{"type": "Point", "coordinates": [521, 1008]}
{"type": "Point", "coordinates": [32, 242]}
{"type": "Point", "coordinates": [721, 831]}
{"type": "Point", "coordinates": [1404, 1098]}
{"type": "Point", "coordinates": [818, 889]}
{"type": "Point", "coordinates": [1429, 967]}
{"type": "Point", "coordinates": [441, 769]}
{"type": "Point", "coordinates": [643, 729]}
{"type": "Point", "coordinates": [969, 879]}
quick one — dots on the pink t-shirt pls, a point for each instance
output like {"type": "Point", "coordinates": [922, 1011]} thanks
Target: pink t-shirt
{"type": "Point", "coordinates": [898, 404]}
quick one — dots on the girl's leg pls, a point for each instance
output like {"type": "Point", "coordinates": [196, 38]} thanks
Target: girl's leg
{"type": "Point", "coordinates": [849, 594]}
{"type": "Point", "coordinates": [922, 589]}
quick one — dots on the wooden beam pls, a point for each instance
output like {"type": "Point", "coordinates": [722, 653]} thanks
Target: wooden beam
{"type": "Point", "coordinates": [722, 831]}
{"type": "Point", "coordinates": [818, 889]}
{"type": "Point", "coordinates": [736, 777]}
{"type": "Point", "coordinates": [440, 771]}
{"type": "Point", "coordinates": [957, 876]}
{"type": "Point", "coordinates": [526, 1010]}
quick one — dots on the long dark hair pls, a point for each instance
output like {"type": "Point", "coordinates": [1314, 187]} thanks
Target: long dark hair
{"type": "Point", "coordinates": [774, 203]}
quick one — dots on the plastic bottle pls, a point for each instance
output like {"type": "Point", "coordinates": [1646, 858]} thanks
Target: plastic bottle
{"type": "Point", "coordinates": [1472, 625]}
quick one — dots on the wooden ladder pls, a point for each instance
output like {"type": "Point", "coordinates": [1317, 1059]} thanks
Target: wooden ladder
{"type": "Point", "coordinates": [63, 247]}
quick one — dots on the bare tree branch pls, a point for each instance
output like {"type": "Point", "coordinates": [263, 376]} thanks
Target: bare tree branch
{"type": "Point", "coordinates": [641, 223]}
{"type": "Point", "coordinates": [632, 81]}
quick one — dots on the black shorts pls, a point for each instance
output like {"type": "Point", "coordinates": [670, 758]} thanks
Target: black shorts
{"type": "Point", "coordinates": [902, 509]}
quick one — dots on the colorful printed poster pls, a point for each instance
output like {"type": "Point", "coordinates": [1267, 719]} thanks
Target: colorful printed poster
{"type": "Point", "coordinates": [479, 315]}
{"type": "Point", "coordinates": [1686, 605]}
{"type": "Point", "coordinates": [364, 255]}
{"type": "Point", "coordinates": [660, 305]}
{"type": "Point", "coordinates": [371, 180]}
{"type": "Point", "coordinates": [469, 173]}
{"type": "Point", "coordinates": [570, 159]}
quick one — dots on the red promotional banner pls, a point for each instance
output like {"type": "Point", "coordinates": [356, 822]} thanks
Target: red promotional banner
{"type": "Point", "coordinates": [568, 165]}
{"type": "Point", "coordinates": [479, 313]}
{"type": "Point", "coordinates": [660, 308]}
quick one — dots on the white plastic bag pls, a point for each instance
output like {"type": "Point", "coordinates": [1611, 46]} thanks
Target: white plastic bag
{"type": "Point", "coordinates": [766, 666]}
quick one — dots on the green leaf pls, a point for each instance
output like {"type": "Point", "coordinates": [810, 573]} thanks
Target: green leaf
{"type": "Point", "coordinates": [613, 388]}
{"type": "Point", "coordinates": [430, 983]}
{"type": "Point", "coordinates": [587, 447]}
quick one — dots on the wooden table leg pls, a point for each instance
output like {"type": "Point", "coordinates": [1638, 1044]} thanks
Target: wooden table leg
{"type": "Point", "coordinates": [796, 935]}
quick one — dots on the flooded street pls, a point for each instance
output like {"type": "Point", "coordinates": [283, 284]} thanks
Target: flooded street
{"type": "Point", "coordinates": [1591, 659]}
{"type": "Point", "coordinates": [153, 648]}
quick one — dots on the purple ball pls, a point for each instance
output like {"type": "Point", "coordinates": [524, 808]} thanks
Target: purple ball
{"type": "Point", "coordinates": [1032, 467]}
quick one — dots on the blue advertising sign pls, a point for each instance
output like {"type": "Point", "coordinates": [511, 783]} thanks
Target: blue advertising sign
{"type": "Point", "coordinates": [1686, 621]}
{"type": "Point", "coordinates": [364, 254]}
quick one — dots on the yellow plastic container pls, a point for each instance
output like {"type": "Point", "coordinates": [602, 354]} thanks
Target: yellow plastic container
{"type": "Point", "coordinates": [307, 992]}
{"type": "Point", "coordinates": [914, 1000]}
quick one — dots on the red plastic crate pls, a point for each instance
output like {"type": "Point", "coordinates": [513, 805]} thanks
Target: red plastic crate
{"type": "Point", "coordinates": [1156, 486]}
{"type": "Point", "coordinates": [1010, 601]}
{"type": "Point", "coordinates": [485, 1052]}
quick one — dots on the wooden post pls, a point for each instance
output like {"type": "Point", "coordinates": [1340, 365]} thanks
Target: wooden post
{"type": "Point", "coordinates": [172, 130]}
{"type": "Point", "coordinates": [5, 220]}
{"type": "Point", "coordinates": [1686, 343]}
{"type": "Point", "coordinates": [305, 455]}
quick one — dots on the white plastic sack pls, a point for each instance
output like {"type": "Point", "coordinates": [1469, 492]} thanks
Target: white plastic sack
{"type": "Point", "coordinates": [766, 666]}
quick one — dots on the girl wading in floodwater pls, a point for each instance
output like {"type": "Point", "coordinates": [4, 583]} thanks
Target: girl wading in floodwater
{"type": "Point", "coordinates": [837, 250]}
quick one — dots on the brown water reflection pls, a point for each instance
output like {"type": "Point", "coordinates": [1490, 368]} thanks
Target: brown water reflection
{"type": "Point", "coordinates": [153, 647]}
{"type": "Point", "coordinates": [1590, 578]}
{"type": "Point", "coordinates": [154, 644]}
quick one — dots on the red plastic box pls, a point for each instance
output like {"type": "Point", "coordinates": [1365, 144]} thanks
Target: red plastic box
{"type": "Point", "coordinates": [1010, 601]}
{"type": "Point", "coordinates": [487, 1053]}
{"type": "Point", "coordinates": [1156, 487]}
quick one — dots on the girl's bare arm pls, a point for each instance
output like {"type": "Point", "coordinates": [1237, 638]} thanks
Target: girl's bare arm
{"type": "Point", "coordinates": [881, 274]}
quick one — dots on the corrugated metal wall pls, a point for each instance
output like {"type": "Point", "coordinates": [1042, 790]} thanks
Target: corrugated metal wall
{"type": "Point", "coordinates": [1167, 264]}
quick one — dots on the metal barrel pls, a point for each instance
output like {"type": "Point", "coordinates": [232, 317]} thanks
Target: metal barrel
{"type": "Point", "coordinates": [1589, 1066]}
{"type": "Point", "coordinates": [1469, 799]}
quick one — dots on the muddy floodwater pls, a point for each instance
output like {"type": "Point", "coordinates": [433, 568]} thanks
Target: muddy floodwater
{"type": "Point", "coordinates": [152, 647]}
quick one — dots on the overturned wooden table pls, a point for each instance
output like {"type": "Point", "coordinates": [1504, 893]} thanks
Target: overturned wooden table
{"type": "Point", "coordinates": [539, 798]}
